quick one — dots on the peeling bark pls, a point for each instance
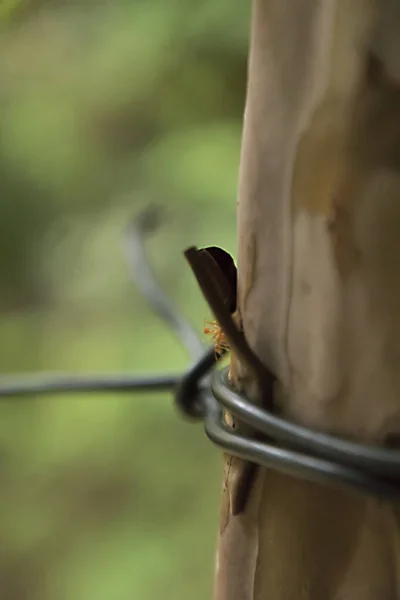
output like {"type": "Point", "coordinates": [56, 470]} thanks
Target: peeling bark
{"type": "Point", "coordinates": [319, 290]}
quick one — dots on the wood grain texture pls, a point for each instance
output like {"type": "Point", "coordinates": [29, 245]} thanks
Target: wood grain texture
{"type": "Point", "coordinates": [319, 290]}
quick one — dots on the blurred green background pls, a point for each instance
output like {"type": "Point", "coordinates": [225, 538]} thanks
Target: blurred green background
{"type": "Point", "coordinates": [105, 108]}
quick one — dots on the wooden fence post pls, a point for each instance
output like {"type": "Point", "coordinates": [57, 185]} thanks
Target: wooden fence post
{"type": "Point", "coordinates": [319, 290]}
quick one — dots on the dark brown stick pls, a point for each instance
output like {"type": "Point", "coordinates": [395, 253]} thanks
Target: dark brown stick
{"type": "Point", "coordinates": [215, 290]}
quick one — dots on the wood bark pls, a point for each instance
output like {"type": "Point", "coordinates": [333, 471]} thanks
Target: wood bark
{"type": "Point", "coordinates": [319, 290]}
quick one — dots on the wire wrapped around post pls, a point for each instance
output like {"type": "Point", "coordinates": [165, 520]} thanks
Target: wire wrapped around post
{"type": "Point", "coordinates": [203, 393]}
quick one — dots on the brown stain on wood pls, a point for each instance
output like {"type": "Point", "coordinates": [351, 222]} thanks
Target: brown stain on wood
{"type": "Point", "coordinates": [320, 160]}
{"type": "Point", "coordinates": [374, 144]}
{"type": "Point", "coordinates": [225, 509]}
{"type": "Point", "coordinates": [231, 463]}
{"type": "Point", "coordinates": [235, 469]}
{"type": "Point", "coordinates": [234, 479]}
{"type": "Point", "coordinates": [338, 153]}
{"type": "Point", "coordinates": [324, 179]}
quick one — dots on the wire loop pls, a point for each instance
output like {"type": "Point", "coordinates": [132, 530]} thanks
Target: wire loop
{"type": "Point", "coordinates": [203, 393]}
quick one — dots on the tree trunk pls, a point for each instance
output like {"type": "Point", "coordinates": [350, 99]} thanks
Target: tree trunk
{"type": "Point", "coordinates": [319, 290]}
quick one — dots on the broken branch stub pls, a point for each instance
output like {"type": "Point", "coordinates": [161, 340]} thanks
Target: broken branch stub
{"type": "Point", "coordinates": [319, 290]}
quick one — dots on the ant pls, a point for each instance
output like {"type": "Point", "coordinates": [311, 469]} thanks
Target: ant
{"type": "Point", "coordinates": [221, 344]}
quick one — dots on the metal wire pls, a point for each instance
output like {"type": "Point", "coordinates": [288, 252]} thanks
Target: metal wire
{"type": "Point", "coordinates": [297, 450]}
{"type": "Point", "coordinates": [290, 448]}
{"type": "Point", "coordinates": [48, 384]}
{"type": "Point", "coordinates": [145, 279]}
{"type": "Point", "coordinates": [203, 393]}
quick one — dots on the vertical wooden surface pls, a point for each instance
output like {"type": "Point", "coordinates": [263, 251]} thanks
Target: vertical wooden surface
{"type": "Point", "coordinates": [319, 289]}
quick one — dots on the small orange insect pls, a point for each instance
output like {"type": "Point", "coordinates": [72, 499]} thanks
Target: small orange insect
{"type": "Point", "coordinates": [213, 329]}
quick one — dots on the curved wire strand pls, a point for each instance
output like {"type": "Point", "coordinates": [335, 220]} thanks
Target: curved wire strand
{"type": "Point", "coordinates": [144, 277]}
{"type": "Point", "coordinates": [52, 383]}
{"type": "Point", "coordinates": [378, 461]}
{"type": "Point", "coordinates": [204, 392]}
{"type": "Point", "coordinates": [292, 462]}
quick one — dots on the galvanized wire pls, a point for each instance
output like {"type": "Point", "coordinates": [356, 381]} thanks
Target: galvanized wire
{"type": "Point", "coordinates": [145, 279]}
{"type": "Point", "coordinates": [203, 393]}
{"type": "Point", "coordinates": [53, 383]}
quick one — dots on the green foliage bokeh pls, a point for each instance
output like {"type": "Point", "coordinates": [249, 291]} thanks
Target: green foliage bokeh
{"type": "Point", "coordinates": [105, 108]}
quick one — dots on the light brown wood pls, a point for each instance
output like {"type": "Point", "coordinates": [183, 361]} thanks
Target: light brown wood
{"type": "Point", "coordinates": [319, 289]}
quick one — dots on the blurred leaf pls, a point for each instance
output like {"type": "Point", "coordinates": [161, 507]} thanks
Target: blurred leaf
{"type": "Point", "coordinates": [199, 163]}
{"type": "Point", "coordinates": [106, 107]}
{"type": "Point", "coordinates": [8, 7]}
